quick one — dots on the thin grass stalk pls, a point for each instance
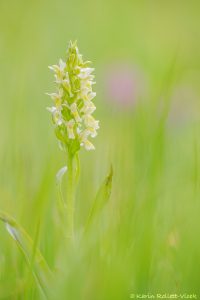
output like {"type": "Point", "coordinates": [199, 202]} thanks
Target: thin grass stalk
{"type": "Point", "coordinates": [70, 194]}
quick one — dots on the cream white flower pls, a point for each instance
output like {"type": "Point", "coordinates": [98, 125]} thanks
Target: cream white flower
{"type": "Point", "coordinates": [84, 140]}
{"type": "Point", "coordinates": [90, 121]}
{"type": "Point", "coordinates": [88, 107]}
{"type": "Point", "coordinates": [85, 73]}
{"type": "Point", "coordinates": [56, 115]}
{"type": "Point", "coordinates": [74, 111]}
{"type": "Point", "coordinates": [88, 145]}
{"type": "Point", "coordinates": [56, 97]}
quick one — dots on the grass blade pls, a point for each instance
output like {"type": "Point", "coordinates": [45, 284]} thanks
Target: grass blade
{"type": "Point", "coordinates": [38, 267]}
{"type": "Point", "coordinates": [101, 198]}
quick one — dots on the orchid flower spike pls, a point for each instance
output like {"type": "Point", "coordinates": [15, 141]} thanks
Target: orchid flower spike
{"type": "Point", "coordinates": [73, 102]}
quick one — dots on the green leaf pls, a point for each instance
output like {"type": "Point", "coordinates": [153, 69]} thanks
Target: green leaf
{"type": "Point", "coordinates": [66, 113]}
{"type": "Point", "coordinates": [60, 174]}
{"type": "Point", "coordinates": [32, 255]}
{"type": "Point", "coordinates": [101, 198]}
{"type": "Point", "coordinates": [61, 202]}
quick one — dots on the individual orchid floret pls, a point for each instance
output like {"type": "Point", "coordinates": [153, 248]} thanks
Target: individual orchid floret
{"type": "Point", "coordinates": [73, 104]}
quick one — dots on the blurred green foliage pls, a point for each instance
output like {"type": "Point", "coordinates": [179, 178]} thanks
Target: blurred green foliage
{"type": "Point", "coordinates": [149, 237]}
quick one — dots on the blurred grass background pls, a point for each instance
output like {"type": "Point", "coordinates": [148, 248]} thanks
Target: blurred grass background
{"type": "Point", "coordinates": [151, 243]}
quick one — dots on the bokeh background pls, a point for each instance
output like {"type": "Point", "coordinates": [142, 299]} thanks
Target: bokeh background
{"type": "Point", "coordinates": [146, 56]}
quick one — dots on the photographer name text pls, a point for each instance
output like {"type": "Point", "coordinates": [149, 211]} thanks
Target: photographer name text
{"type": "Point", "coordinates": [163, 296]}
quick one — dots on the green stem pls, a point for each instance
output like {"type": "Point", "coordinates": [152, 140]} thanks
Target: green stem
{"type": "Point", "coordinates": [77, 168]}
{"type": "Point", "coordinates": [70, 196]}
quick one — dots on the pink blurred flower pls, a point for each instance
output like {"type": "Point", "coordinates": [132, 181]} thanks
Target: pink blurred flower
{"type": "Point", "coordinates": [124, 84]}
{"type": "Point", "coordinates": [184, 106]}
